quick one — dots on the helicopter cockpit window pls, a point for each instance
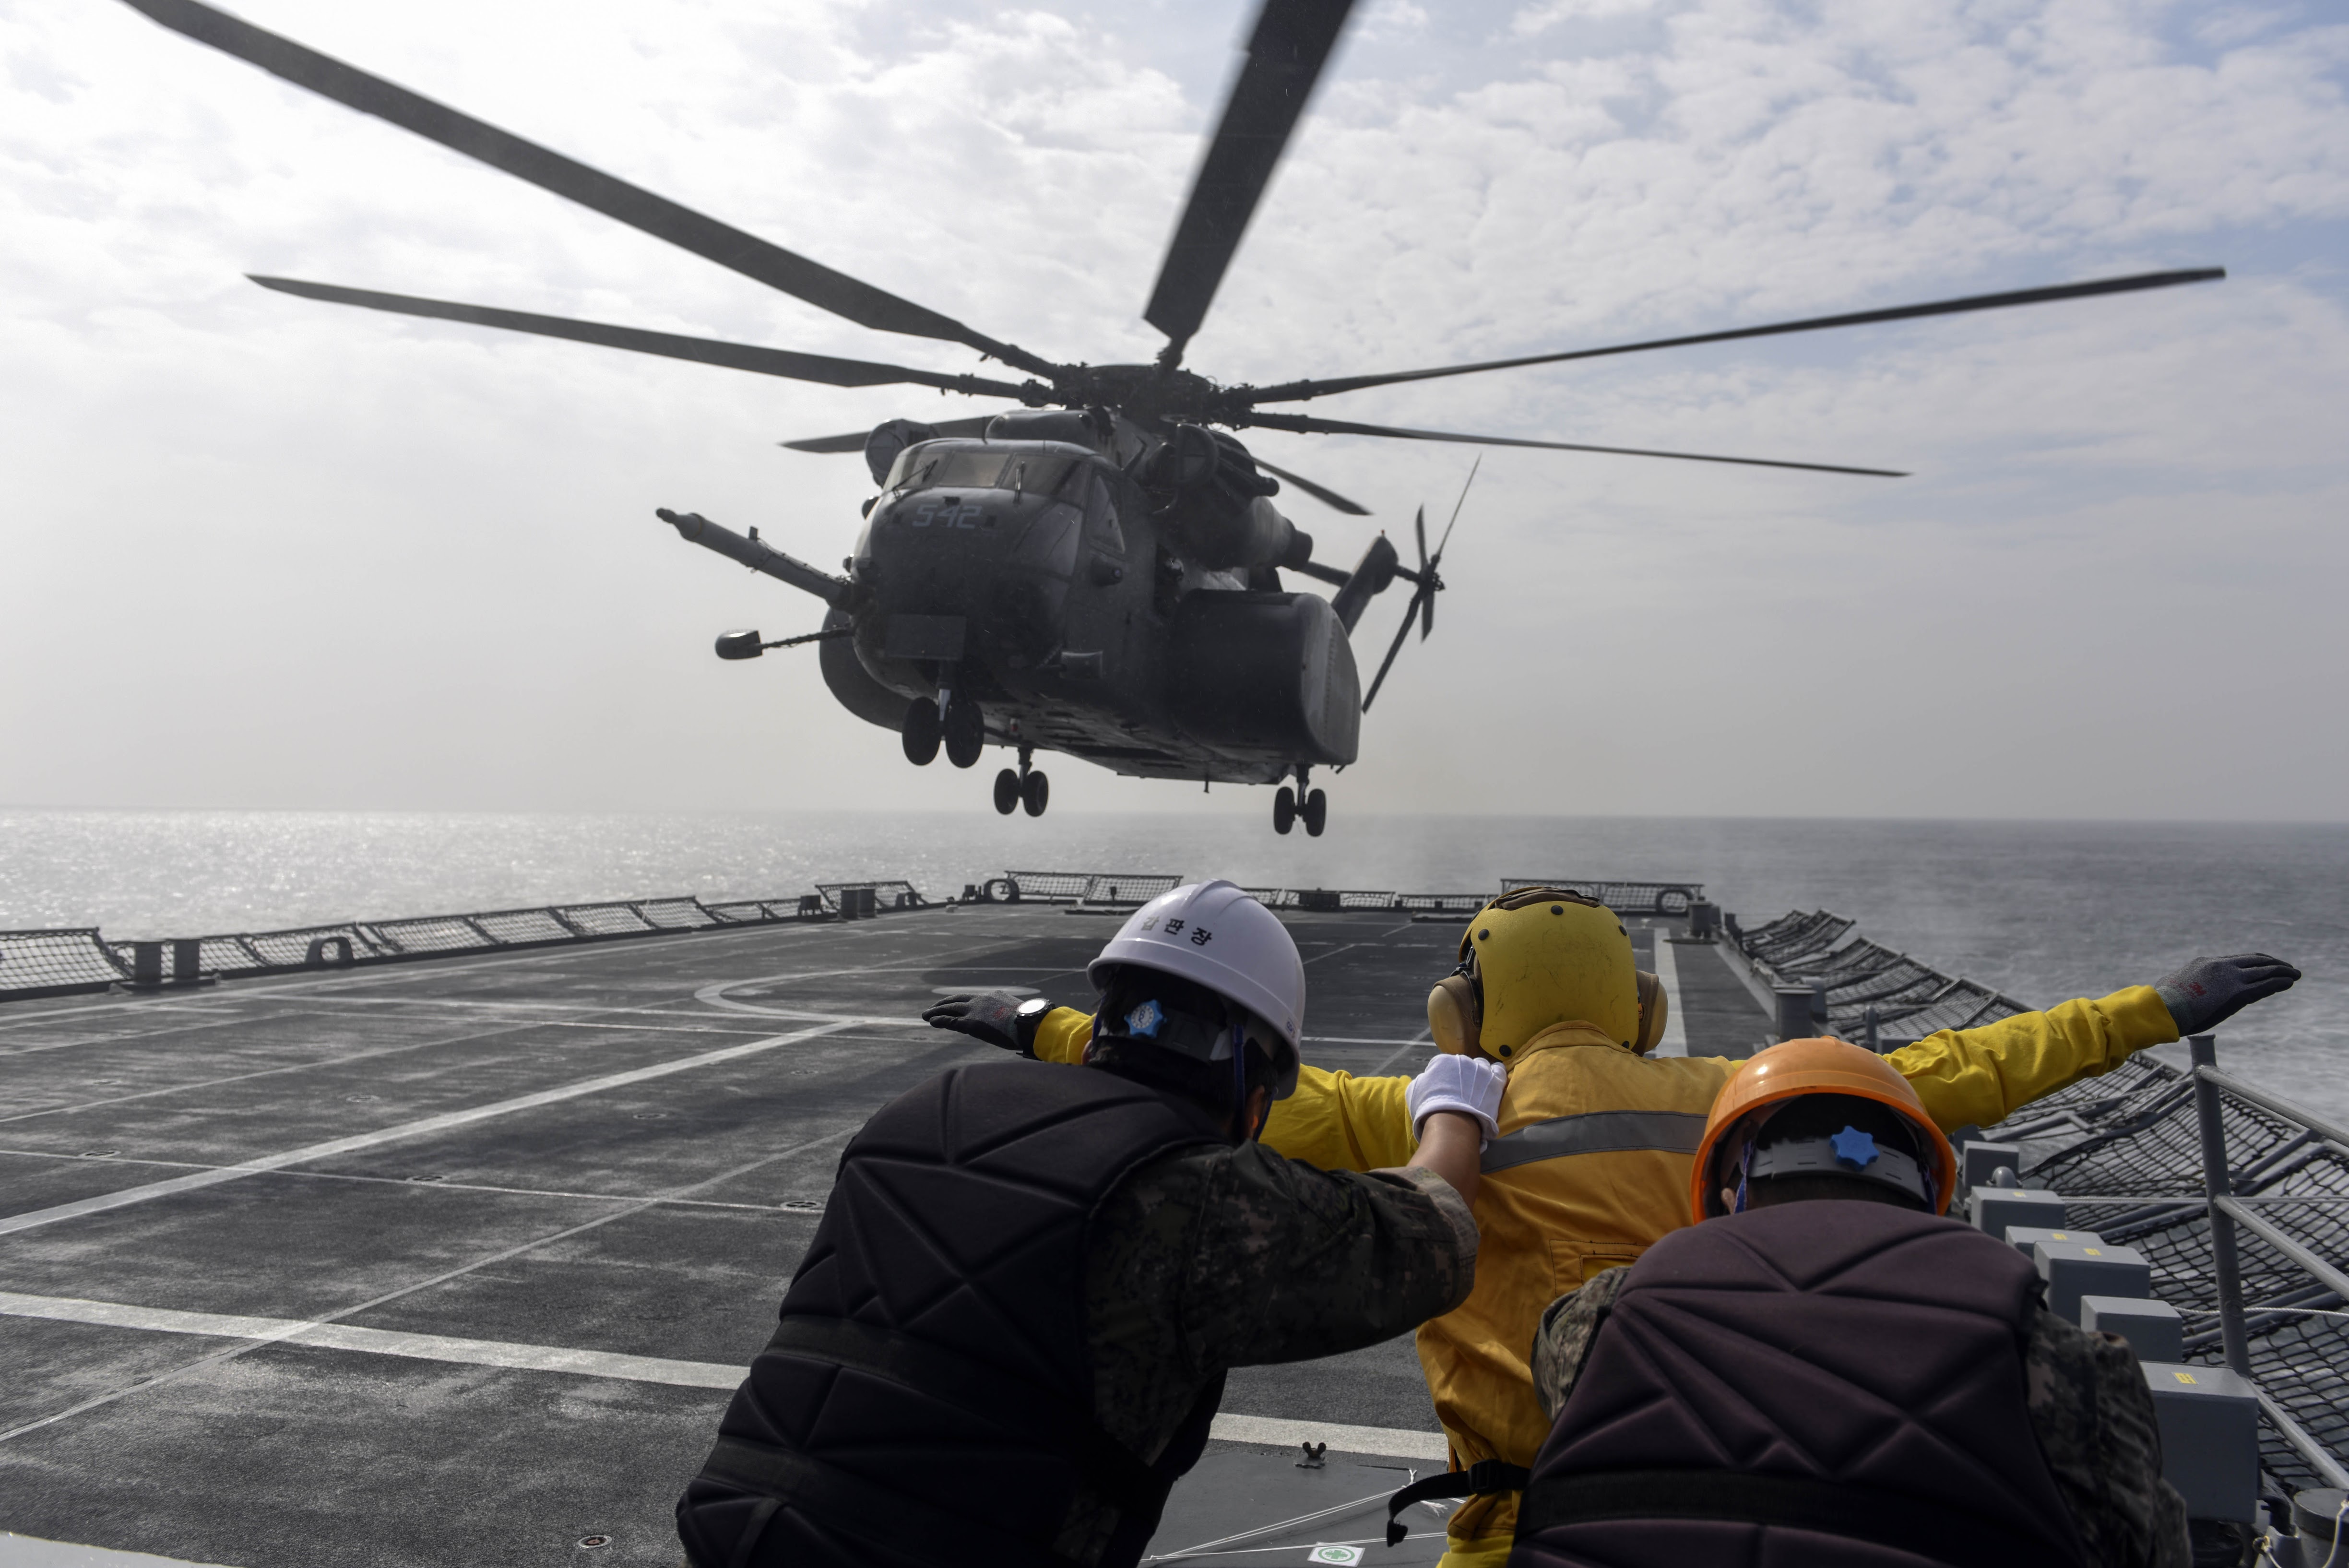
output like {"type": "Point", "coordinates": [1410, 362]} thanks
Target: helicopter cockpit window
{"type": "Point", "coordinates": [1102, 531]}
{"type": "Point", "coordinates": [923, 468]}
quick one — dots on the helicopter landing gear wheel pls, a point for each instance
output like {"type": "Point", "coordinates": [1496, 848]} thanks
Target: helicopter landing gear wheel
{"type": "Point", "coordinates": [1284, 810]}
{"type": "Point", "coordinates": [964, 731]}
{"type": "Point", "coordinates": [1008, 792]}
{"type": "Point", "coordinates": [1316, 812]}
{"type": "Point", "coordinates": [921, 731]}
{"type": "Point", "coordinates": [1035, 794]}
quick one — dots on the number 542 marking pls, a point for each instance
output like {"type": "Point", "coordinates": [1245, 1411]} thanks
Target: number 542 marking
{"type": "Point", "coordinates": [956, 515]}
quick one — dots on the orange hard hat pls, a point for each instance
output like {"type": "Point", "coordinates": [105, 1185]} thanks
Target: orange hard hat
{"type": "Point", "coordinates": [1817, 1066]}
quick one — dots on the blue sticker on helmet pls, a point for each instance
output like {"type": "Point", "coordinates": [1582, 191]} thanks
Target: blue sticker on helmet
{"type": "Point", "coordinates": [1854, 1147]}
{"type": "Point", "coordinates": [1145, 1020]}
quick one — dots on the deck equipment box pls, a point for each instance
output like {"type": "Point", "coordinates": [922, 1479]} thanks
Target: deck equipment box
{"type": "Point", "coordinates": [2210, 1439]}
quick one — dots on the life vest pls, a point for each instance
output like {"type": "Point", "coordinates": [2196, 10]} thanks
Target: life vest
{"type": "Point", "coordinates": [927, 1397]}
{"type": "Point", "coordinates": [1821, 1383]}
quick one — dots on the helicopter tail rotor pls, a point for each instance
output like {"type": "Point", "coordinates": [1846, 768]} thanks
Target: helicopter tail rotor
{"type": "Point", "coordinates": [1421, 606]}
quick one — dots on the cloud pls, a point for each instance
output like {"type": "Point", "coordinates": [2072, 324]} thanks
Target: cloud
{"type": "Point", "coordinates": [337, 558]}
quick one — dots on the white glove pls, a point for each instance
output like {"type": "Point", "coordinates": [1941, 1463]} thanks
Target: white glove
{"type": "Point", "coordinates": [1467, 1085]}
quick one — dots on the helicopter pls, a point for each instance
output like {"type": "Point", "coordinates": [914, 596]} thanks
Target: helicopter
{"type": "Point", "coordinates": [1095, 571]}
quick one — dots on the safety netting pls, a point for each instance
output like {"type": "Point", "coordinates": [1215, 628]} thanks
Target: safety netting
{"type": "Point", "coordinates": [433, 934]}
{"type": "Point", "coordinates": [58, 961]}
{"type": "Point", "coordinates": [1093, 886]}
{"type": "Point", "coordinates": [1624, 897]}
{"type": "Point", "coordinates": [612, 919]}
{"type": "Point", "coordinates": [1872, 991]}
{"type": "Point", "coordinates": [1326, 900]}
{"type": "Point", "coordinates": [755, 911]}
{"type": "Point", "coordinates": [215, 954]}
{"type": "Point", "coordinates": [1795, 938]}
{"type": "Point", "coordinates": [522, 925]}
{"type": "Point", "coordinates": [2125, 1151]}
{"type": "Point", "coordinates": [674, 914]}
{"type": "Point", "coordinates": [886, 895]}
{"type": "Point", "coordinates": [278, 949]}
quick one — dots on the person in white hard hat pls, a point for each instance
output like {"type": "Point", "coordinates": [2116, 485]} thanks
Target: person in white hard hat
{"type": "Point", "coordinates": [1009, 1334]}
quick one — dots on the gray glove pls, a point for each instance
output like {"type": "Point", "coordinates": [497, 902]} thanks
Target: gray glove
{"type": "Point", "coordinates": [1003, 1021]}
{"type": "Point", "coordinates": [2208, 991]}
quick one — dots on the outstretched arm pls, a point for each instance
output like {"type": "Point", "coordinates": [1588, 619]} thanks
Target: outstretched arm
{"type": "Point", "coordinates": [1983, 1076]}
{"type": "Point", "coordinates": [1334, 1120]}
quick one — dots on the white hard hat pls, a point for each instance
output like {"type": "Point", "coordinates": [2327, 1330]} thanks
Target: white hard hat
{"type": "Point", "coordinates": [1214, 935]}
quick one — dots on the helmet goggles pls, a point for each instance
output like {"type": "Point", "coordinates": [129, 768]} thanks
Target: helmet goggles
{"type": "Point", "coordinates": [1149, 1007]}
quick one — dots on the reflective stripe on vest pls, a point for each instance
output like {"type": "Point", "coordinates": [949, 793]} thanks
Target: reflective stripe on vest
{"type": "Point", "coordinates": [1596, 1132]}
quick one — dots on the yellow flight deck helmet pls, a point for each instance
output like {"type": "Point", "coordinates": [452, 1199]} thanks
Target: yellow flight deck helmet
{"type": "Point", "coordinates": [1538, 956]}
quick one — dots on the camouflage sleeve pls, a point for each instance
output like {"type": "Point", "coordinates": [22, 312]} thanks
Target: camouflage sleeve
{"type": "Point", "coordinates": [1563, 1342]}
{"type": "Point", "coordinates": [1294, 1263]}
{"type": "Point", "coordinates": [2094, 1417]}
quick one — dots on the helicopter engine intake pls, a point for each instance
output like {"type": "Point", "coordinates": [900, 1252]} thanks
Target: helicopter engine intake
{"type": "Point", "coordinates": [1220, 514]}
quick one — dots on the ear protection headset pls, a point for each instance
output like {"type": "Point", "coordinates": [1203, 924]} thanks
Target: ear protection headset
{"type": "Point", "coordinates": [1455, 1007]}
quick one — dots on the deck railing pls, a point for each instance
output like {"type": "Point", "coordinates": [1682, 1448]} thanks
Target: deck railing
{"type": "Point", "coordinates": [64, 961]}
{"type": "Point", "coordinates": [2239, 1199]}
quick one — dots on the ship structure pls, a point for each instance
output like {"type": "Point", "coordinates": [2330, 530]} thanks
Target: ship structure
{"type": "Point", "coordinates": [445, 1240]}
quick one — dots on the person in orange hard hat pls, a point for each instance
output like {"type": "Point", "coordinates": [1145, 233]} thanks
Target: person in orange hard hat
{"type": "Point", "coordinates": [1827, 1369]}
{"type": "Point", "coordinates": [1597, 1135]}
{"type": "Point", "coordinates": [1829, 1073]}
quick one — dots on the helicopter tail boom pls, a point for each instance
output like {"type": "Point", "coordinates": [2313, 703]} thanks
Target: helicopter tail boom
{"type": "Point", "coordinates": [757, 555]}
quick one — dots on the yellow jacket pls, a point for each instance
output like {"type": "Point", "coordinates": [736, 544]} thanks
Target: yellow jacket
{"type": "Point", "coordinates": [1592, 1167]}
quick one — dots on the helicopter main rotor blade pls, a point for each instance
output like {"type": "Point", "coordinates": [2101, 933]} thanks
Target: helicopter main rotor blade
{"type": "Point", "coordinates": [1285, 53]}
{"type": "Point", "coordinates": [1292, 391]}
{"type": "Point", "coordinates": [1393, 649]}
{"type": "Point", "coordinates": [1322, 494]}
{"type": "Point", "coordinates": [657, 216]}
{"type": "Point", "coordinates": [855, 440]}
{"type": "Point", "coordinates": [782, 362]}
{"type": "Point", "coordinates": [1306, 425]}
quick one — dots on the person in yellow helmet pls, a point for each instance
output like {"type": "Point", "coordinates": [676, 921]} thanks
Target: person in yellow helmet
{"type": "Point", "coordinates": [1592, 1164]}
{"type": "Point", "coordinates": [1826, 1368]}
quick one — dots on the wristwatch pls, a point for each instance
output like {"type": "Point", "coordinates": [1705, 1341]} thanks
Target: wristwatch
{"type": "Point", "coordinates": [1025, 1020]}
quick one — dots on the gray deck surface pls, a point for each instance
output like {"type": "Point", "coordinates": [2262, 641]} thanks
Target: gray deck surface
{"type": "Point", "coordinates": [633, 1141]}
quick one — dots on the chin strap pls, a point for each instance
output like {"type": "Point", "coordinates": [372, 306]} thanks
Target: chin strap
{"type": "Point", "coordinates": [1744, 1172]}
{"type": "Point", "coordinates": [1239, 1084]}
{"type": "Point", "coordinates": [1479, 1480]}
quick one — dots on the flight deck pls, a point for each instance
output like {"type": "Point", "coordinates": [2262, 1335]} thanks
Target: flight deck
{"type": "Point", "coordinates": [459, 1261]}
{"type": "Point", "coordinates": [445, 1240]}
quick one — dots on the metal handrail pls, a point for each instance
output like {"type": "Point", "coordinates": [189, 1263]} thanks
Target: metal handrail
{"type": "Point", "coordinates": [2274, 1106]}
{"type": "Point", "coordinates": [2226, 1212]}
{"type": "Point", "coordinates": [2333, 1278]}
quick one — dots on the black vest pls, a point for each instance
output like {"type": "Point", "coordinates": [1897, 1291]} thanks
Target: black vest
{"type": "Point", "coordinates": [927, 1397]}
{"type": "Point", "coordinates": [1814, 1384]}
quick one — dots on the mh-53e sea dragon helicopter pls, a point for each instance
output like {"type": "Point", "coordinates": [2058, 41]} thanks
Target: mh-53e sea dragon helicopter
{"type": "Point", "coordinates": [1097, 571]}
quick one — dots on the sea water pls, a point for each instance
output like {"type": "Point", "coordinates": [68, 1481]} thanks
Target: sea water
{"type": "Point", "coordinates": [2040, 910]}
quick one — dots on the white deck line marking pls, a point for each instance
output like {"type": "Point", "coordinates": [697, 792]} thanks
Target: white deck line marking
{"type": "Point", "coordinates": [1668, 969]}
{"type": "Point", "coordinates": [1392, 1442]}
{"type": "Point", "coordinates": [1385, 1441]}
{"type": "Point", "coordinates": [422, 1128]}
{"type": "Point", "coordinates": [430, 1183]}
{"type": "Point", "coordinates": [378, 1341]}
{"type": "Point", "coordinates": [625, 1210]}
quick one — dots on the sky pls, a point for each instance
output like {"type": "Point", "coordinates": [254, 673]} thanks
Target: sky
{"type": "Point", "coordinates": [260, 552]}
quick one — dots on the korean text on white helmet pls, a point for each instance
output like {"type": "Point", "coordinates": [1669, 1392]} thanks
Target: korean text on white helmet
{"type": "Point", "coordinates": [1214, 935]}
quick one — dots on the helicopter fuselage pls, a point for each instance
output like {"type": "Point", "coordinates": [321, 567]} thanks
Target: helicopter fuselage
{"type": "Point", "coordinates": [1037, 579]}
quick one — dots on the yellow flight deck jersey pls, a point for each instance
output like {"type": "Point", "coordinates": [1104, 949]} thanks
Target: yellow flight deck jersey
{"type": "Point", "coordinates": [1592, 1167]}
